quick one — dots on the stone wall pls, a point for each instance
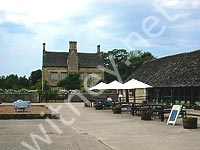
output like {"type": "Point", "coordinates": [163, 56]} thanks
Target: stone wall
{"type": "Point", "coordinates": [48, 70]}
{"type": "Point", "coordinates": [83, 71]}
{"type": "Point", "coordinates": [78, 97]}
{"type": "Point", "coordinates": [10, 98]}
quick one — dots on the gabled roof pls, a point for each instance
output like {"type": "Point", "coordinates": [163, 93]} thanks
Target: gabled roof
{"type": "Point", "coordinates": [55, 59]}
{"type": "Point", "coordinates": [59, 59]}
{"type": "Point", "coordinates": [172, 71]}
{"type": "Point", "coordinates": [89, 60]}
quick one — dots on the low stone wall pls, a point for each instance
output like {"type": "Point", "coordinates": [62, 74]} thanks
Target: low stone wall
{"type": "Point", "coordinates": [79, 97]}
{"type": "Point", "coordinates": [10, 98]}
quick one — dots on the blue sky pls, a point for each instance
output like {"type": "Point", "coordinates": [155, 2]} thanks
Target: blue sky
{"type": "Point", "coordinates": [160, 27]}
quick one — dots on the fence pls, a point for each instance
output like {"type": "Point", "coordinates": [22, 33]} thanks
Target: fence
{"type": "Point", "coordinates": [48, 98]}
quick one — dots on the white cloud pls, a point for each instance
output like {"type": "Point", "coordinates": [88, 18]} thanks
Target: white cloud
{"type": "Point", "coordinates": [196, 3]}
{"type": "Point", "coordinates": [40, 11]}
{"type": "Point", "coordinates": [187, 25]}
{"type": "Point", "coordinates": [100, 21]}
{"type": "Point", "coordinates": [179, 4]}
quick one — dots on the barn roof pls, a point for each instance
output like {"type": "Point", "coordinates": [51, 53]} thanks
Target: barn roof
{"type": "Point", "coordinates": [172, 71]}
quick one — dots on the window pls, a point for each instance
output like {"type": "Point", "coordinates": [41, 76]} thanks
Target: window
{"type": "Point", "coordinates": [90, 75]}
{"type": "Point", "coordinates": [81, 76]}
{"type": "Point", "coordinates": [63, 75]}
{"type": "Point", "coordinates": [53, 76]}
{"type": "Point", "coordinates": [53, 88]}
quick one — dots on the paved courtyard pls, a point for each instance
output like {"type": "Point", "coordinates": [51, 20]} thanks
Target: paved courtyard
{"type": "Point", "coordinates": [84, 128]}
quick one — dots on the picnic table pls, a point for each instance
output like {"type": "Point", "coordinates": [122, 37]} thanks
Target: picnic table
{"type": "Point", "coordinates": [157, 109]}
{"type": "Point", "coordinates": [109, 104]}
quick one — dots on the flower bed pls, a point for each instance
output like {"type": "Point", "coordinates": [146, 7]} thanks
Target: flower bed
{"type": "Point", "coordinates": [146, 115]}
{"type": "Point", "coordinates": [33, 112]}
{"type": "Point", "coordinates": [190, 123]}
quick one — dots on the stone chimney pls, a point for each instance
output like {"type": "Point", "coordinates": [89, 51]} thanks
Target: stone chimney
{"type": "Point", "coordinates": [98, 49]}
{"type": "Point", "coordinates": [72, 61]}
{"type": "Point", "coordinates": [73, 46]}
{"type": "Point", "coordinates": [44, 48]}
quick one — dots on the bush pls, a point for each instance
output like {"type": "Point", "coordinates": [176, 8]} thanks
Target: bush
{"type": "Point", "coordinates": [117, 109]}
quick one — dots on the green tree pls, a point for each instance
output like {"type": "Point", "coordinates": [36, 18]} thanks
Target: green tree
{"type": "Point", "coordinates": [71, 82]}
{"type": "Point", "coordinates": [119, 57]}
{"type": "Point", "coordinates": [38, 85]}
{"type": "Point", "coordinates": [24, 82]}
{"type": "Point", "coordinates": [126, 62]}
{"type": "Point", "coordinates": [2, 82]}
{"type": "Point", "coordinates": [138, 57]}
{"type": "Point", "coordinates": [35, 76]}
{"type": "Point", "coordinates": [12, 82]}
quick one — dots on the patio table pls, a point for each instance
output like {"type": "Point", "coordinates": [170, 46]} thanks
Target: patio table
{"type": "Point", "coordinates": [157, 109]}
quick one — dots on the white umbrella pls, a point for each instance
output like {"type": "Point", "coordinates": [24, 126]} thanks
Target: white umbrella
{"type": "Point", "coordinates": [111, 86]}
{"type": "Point", "coordinates": [99, 86]}
{"type": "Point", "coordinates": [114, 85]}
{"type": "Point", "coordinates": [135, 84]}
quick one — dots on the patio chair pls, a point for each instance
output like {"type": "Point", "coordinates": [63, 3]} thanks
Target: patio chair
{"type": "Point", "coordinates": [108, 104]}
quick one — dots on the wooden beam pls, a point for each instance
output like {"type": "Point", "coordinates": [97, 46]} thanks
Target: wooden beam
{"type": "Point", "coordinates": [127, 95]}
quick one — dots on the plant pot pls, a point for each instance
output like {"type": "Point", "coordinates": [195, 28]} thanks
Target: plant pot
{"type": "Point", "coordinates": [190, 123]}
{"type": "Point", "coordinates": [86, 105]}
{"type": "Point", "coordinates": [117, 110]}
{"type": "Point", "coordinates": [98, 106]}
{"type": "Point", "coordinates": [145, 116]}
{"type": "Point", "coordinates": [188, 107]}
{"type": "Point", "coordinates": [196, 107]}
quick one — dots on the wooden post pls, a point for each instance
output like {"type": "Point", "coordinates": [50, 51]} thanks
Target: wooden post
{"type": "Point", "coordinates": [147, 95]}
{"type": "Point", "coordinates": [184, 95]}
{"type": "Point", "coordinates": [162, 114]}
{"type": "Point", "coordinates": [179, 95]}
{"type": "Point", "coordinates": [171, 90]}
{"type": "Point", "coordinates": [157, 94]}
{"type": "Point", "coordinates": [192, 97]}
{"type": "Point", "coordinates": [127, 95]}
{"type": "Point", "coordinates": [134, 95]}
{"type": "Point", "coordinates": [199, 95]}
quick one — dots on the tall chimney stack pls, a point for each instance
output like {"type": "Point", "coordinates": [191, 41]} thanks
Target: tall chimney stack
{"type": "Point", "coordinates": [73, 46]}
{"type": "Point", "coordinates": [44, 48]}
{"type": "Point", "coordinates": [72, 61]}
{"type": "Point", "coordinates": [98, 49]}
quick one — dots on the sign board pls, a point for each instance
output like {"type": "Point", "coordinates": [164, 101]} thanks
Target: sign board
{"type": "Point", "coordinates": [174, 114]}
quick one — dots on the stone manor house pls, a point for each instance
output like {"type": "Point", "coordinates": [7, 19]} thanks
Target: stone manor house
{"type": "Point", "coordinates": [57, 65]}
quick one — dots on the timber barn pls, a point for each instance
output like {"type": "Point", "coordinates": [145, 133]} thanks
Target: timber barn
{"type": "Point", "coordinates": [175, 79]}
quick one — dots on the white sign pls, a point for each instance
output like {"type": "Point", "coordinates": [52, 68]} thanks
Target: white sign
{"type": "Point", "coordinates": [174, 114]}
